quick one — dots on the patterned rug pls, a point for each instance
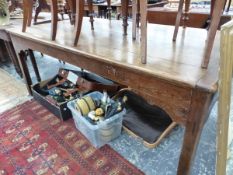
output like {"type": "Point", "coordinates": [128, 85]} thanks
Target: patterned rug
{"type": "Point", "coordinates": [34, 141]}
{"type": "Point", "coordinates": [12, 91]}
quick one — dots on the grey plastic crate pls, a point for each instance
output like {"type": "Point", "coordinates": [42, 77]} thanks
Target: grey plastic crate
{"type": "Point", "coordinates": [101, 133]}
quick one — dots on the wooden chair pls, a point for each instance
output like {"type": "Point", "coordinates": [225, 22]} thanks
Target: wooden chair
{"type": "Point", "coordinates": [143, 12]}
{"type": "Point", "coordinates": [42, 4]}
{"type": "Point", "coordinates": [216, 15]}
{"type": "Point", "coordinates": [27, 12]}
{"type": "Point", "coordinates": [63, 8]}
{"type": "Point", "coordinates": [136, 13]}
{"type": "Point", "coordinates": [217, 7]}
{"type": "Point", "coordinates": [77, 10]}
{"type": "Point", "coordinates": [80, 12]}
{"type": "Point", "coordinates": [27, 16]}
{"type": "Point", "coordinates": [179, 16]}
{"type": "Point", "coordinates": [216, 11]}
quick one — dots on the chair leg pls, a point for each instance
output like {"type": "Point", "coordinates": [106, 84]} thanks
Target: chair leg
{"type": "Point", "coordinates": [178, 18]}
{"type": "Point", "coordinates": [25, 15]}
{"type": "Point", "coordinates": [91, 13]}
{"type": "Point", "coordinates": [78, 20]}
{"type": "Point", "coordinates": [212, 7]}
{"type": "Point", "coordinates": [124, 6]}
{"type": "Point", "coordinates": [229, 5]}
{"type": "Point", "coordinates": [30, 13]}
{"type": "Point", "coordinates": [138, 13]}
{"type": "Point", "coordinates": [54, 19]}
{"type": "Point", "coordinates": [143, 12]}
{"type": "Point", "coordinates": [186, 12]}
{"type": "Point", "coordinates": [109, 9]}
{"type": "Point", "coordinates": [37, 11]}
{"type": "Point", "coordinates": [42, 4]}
{"type": "Point", "coordinates": [72, 5]}
{"type": "Point", "coordinates": [134, 16]}
{"type": "Point", "coordinates": [217, 12]}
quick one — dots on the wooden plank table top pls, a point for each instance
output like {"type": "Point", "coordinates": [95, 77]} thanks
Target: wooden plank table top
{"type": "Point", "coordinates": [178, 62]}
{"type": "Point", "coordinates": [172, 78]}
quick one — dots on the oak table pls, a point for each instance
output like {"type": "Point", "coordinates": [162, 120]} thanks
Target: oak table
{"type": "Point", "coordinates": [172, 78]}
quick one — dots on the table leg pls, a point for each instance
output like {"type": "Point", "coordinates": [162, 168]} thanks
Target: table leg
{"type": "Point", "coordinates": [13, 56]}
{"type": "Point", "coordinates": [34, 64]}
{"type": "Point", "coordinates": [143, 10]}
{"type": "Point", "coordinates": [25, 71]}
{"type": "Point", "coordinates": [125, 4]}
{"type": "Point", "coordinates": [198, 114]}
{"type": "Point", "coordinates": [54, 19]}
{"type": "Point", "coordinates": [3, 52]}
{"type": "Point", "coordinates": [78, 20]}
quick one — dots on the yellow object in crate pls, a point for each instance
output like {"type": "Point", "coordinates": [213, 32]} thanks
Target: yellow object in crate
{"type": "Point", "coordinates": [85, 105]}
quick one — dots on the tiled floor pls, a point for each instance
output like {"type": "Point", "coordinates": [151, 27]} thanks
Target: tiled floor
{"type": "Point", "coordinates": [162, 160]}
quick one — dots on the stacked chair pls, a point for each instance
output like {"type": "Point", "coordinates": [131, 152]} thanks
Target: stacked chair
{"type": "Point", "coordinates": [28, 6]}
{"type": "Point", "coordinates": [216, 12]}
{"type": "Point", "coordinates": [216, 15]}
{"type": "Point", "coordinates": [42, 4]}
{"type": "Point", "coordinates": [79, 17]}
{"type": "Point", "coordinates": [78, 9]}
